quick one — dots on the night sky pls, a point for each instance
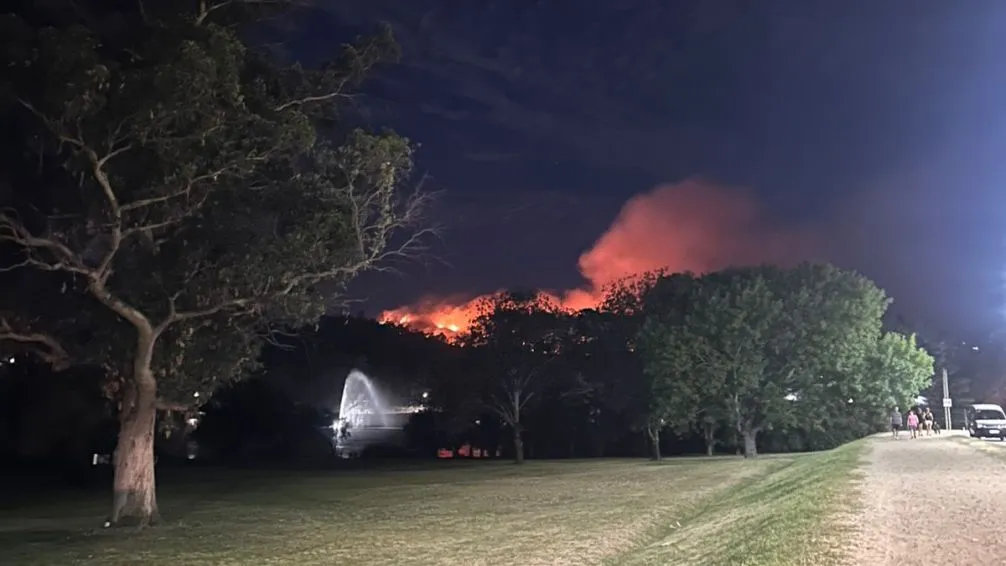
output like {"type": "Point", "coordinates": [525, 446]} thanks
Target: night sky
{"type": "Point", "coordinates": [866, 133]}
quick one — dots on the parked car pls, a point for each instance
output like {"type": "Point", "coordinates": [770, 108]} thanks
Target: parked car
{"type": "Point", "coordinates": [987, 421]}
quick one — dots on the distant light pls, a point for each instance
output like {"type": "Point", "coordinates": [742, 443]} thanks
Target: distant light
{"type": "Point", "coordinates": [193, 421]}
{"type": "Point", "coordinates": [478, 421]}
{"type": "Point", "coordinates": [426, 394]}
{"type": "Point", "coordinates": [975, 348]}
{"type": "Point", "coordinates": [851, 401]}
{"type": "Point", "coordinates": [196, 394]}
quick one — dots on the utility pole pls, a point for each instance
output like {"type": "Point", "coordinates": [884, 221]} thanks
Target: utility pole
{"type": "Point", "coordinates": [947, 401]}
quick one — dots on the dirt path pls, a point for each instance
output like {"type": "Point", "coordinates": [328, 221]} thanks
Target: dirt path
{"type": "Point", "coordinates": [932, 500]}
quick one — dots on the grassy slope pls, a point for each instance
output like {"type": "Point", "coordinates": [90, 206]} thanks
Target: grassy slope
{"type": "Point", "coordinates": [686, 511]}
{"type": "Point", "coordinates": [784, 517]}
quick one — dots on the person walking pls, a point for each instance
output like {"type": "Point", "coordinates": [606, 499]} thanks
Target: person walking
{"type": "Point", "coordinates": [896, 422]}
{"type": "Point", "coordinates": [913, 424]}
{"type": "Point", "coordinates": [927, 421]}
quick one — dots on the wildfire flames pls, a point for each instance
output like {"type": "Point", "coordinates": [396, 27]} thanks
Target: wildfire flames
{"type": "Point", "coordinates": [689, 226]}
{"type": "Point", "coordinates": [435, 316]}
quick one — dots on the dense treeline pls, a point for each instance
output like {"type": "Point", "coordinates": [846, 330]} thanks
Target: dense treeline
{"type": "Point", "coordinates": [789, 359]}
{"type": "Point", "coordinates": [734, 361]}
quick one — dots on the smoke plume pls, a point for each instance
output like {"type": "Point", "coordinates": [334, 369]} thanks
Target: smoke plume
{"type": "Point", "coordinates": [693, 226]}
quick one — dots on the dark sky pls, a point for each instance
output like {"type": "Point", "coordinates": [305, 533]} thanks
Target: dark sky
{"type": "Point", "coordinates": [873, 129]}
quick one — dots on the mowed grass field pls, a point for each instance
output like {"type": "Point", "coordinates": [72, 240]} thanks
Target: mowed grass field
{"type": "Point", "coordinates": [776, 510]}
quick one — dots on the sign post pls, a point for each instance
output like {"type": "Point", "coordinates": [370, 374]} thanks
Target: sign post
{"type": "Point", "coordinates": [947, 401]}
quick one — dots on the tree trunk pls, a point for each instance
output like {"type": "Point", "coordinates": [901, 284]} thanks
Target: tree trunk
{"type": "Point", "coordinates": [518, 446]}
{"type": "Point", "coordinates": [134, 500]}
{"type": "Point", "coordinates": [709, 432]}
{"type": "Point", "coordinates": [654, 434]}
{"type": "Point", "coordinates": [750, 444]}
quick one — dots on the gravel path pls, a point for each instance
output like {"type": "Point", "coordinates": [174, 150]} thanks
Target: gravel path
{"type": "Point", "coordinates": [933, 500]}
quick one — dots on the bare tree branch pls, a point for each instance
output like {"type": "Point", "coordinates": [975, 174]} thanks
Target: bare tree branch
{"type": "Point", "coordinates": [371, 234]}
{"type": "Point", "coordinates": [63, 258]}
{"type": "Point", "coordinates": [66, 259]}
{"type": "Point", "coordinates": [580, 388]}
{"type": "Point", "coordinates": [171, 407]}
{"type": "Point", "coordinates": [43, 345]}
{"type": "Point", "coordinates": [272, 335]}
{"type": "Point", "coordinates": [36, 248]}
{"type": "Point", "coordinates": [206, 9]}
{"type": "Point", "coordinates": [226, 306]}
{"type": "Point", "coordinates": [366, 56]}
{"type": "Point", "coordinates": [337, 93]}
{"type": "Point", "coordinates": [118, 226]}
{"type": "Point", "coordinates": [184, 191]}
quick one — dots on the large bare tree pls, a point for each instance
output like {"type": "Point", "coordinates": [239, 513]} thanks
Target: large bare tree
{"type": "Point", "coordinates": [190, 201]}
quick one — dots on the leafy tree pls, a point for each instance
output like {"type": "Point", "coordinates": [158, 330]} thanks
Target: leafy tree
{"type": "Point", "coordinates": [763, 339]}
{"type": "Point", "coordinates": [190, 202]}
{"type": "Point", "coordinates": [856, 402]}
{"type": "Point", "coordinates": [956, 357]}
{"type": "Point", "coordinates": [901, 369]}
{"type": "Point", "coordinates": [684, 385]}
{"type": "Point", "coordinates": [669, 393]}
{"type": "Point", "coordinates": [516, 339]}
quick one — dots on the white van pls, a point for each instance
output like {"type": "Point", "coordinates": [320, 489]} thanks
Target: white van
{"type": "Point", "coordinates": [987, 421]}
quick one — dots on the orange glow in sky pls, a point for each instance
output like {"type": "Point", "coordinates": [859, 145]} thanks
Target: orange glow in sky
{"type": "Point", "coordinates": [693, 226]}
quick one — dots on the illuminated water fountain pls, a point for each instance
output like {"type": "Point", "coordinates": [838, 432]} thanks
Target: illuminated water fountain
{"type": "Point", "coordinates": [364, 416]}
{"type": "Point", "coordinates": [361, 404]}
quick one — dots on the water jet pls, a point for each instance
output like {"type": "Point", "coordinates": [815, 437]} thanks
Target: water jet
{"type": "Point", "coordinates": [364, 417]}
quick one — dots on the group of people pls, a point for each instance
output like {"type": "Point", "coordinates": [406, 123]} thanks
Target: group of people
{"type": "Point", "coordinates": [919, 420]}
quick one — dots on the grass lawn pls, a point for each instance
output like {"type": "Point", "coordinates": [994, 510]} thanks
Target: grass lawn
{"type": "Point", "coordinates": [692, 511]}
